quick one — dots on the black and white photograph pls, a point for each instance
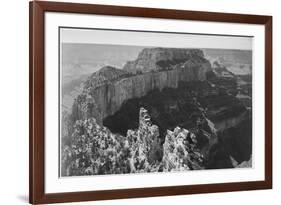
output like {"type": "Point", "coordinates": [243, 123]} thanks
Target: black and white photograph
{"type": "Point", "coordinates": [153, 102]}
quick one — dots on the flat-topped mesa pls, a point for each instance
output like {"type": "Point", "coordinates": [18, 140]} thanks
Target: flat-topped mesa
{"type": "Point", "coordinates": [157, 59]}
{"type": "Point", "coordinates": [164, 68]}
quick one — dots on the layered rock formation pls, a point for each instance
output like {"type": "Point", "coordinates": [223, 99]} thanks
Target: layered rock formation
{"type": "Point", "coordinates": [106, 90]}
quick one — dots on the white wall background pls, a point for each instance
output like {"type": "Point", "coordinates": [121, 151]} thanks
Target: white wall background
{"type": "Point", "coordinates": [14, 100]}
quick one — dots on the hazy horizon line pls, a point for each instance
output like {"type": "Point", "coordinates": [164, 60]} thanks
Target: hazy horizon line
{"type": "Point", "coordinates": [102, 44]}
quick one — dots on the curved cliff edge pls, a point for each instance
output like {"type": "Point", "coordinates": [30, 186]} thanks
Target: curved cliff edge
{"type": "Point", "coordinates": [155, 68]}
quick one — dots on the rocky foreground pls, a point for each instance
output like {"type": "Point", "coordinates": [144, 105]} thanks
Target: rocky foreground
{"type": "Point", "coordinates": [96, 150]}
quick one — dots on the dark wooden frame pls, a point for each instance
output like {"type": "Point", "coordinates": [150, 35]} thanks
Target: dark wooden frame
{"type": "Point", "coordinates": [36, 106]}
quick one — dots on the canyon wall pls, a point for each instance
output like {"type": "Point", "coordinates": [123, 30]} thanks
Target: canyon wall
{"type": "Point", "coordinates": [103, 96]}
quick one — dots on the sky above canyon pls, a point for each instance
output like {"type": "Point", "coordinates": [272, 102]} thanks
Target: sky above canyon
{"type": "Point", "coordinates": [154, 39]}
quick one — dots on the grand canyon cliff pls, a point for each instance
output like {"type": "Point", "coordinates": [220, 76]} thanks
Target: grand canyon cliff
{"type": "Point", "coordinates": [155, 69]}
{"type": "Point", "coordinates": [169, 109]}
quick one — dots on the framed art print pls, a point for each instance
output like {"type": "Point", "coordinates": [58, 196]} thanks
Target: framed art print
{"type": "Point", "coordinates": [139, 102]}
